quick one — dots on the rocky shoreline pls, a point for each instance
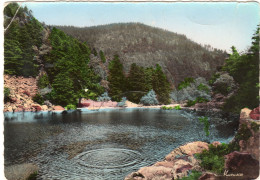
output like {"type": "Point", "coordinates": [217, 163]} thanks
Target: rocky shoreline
{"type": "Point", "coordinates": [239, 165]}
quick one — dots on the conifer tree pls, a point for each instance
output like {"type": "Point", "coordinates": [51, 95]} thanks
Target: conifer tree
{"type": "Point", "coordinates": [116, 79]}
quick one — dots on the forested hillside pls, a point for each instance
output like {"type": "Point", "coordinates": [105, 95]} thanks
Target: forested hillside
{"type": "Point", "coordinates": [58, 61]}
{"type": "Point", "coordinates": [147, 46]}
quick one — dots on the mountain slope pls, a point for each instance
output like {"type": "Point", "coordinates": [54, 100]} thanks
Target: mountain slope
{"type": "Point", "coordinates": [146, 46]}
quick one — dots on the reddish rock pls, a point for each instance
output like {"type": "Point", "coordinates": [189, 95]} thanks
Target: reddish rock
{"type": "Point", "coordinates": [37, 107]}
{"type": "Point", "coordinates": [255, 113]}
{"type": "Point", "coordinates": [216, 143]}
{"type": "Point", "coordinates": [81, 105]}
{"type": "Point", "coordinates": [242, 163]}
{"type": "Point", "coordinates": [27, 93]}
{"type": "Point", "coordinates": [58, 108]}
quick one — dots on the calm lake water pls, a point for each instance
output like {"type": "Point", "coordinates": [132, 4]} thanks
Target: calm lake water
{"type": "Point", "coordinates": [107, 144]}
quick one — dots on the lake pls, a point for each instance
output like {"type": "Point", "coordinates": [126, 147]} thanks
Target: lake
{"type": "Point", "coordinates": [105, 144]}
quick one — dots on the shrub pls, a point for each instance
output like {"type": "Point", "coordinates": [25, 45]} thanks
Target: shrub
{"type": "Point", "coordinates": [214, 78]}
{"type": "Point", "coordinates": [6, 94]}
{"type": "Point", "coordinates": [38, 98]}
{"type": "Point", "coordinates": [224, 84]}
{"type": "Point", "coordinates": [70, 107]}
{"type": "Point", "coordinates": [185, 83]}
{"type": "Point", "coordinates": [177, 107]}
{"type": "Point", "coordinates": [244, 133]}
{"type": "Point", "coordinates": [198, 89]}
{"type": "Point", "coordinates": [194, 175]}
{"type": "Point", "coordinates": [149, 98]}
{"type": "Point", "coordinates": [104, 97]}
{"type": "Point", "coordinates": [122, 102]}
{"type": "Point", "coordinates": [213, 159]}
{"type": "Point", "coordinates": [166, 108]}
{"type": "Point", "coordinates": [43, 81]}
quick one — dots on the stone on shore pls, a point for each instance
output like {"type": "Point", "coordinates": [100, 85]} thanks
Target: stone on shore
{"type": "Point", "coordinates": [177, 164]}
{"type": "Point", "coordinates": [58, 108]}
{"type": "Point", "coordinates": [20, 171]}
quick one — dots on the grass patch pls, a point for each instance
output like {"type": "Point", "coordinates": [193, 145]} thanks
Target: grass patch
{"type": "Point", "coordinates": [33, 176]}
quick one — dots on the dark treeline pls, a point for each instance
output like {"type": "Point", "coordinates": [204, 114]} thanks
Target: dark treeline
{"type": "Point", "coordinates": [138, 82]}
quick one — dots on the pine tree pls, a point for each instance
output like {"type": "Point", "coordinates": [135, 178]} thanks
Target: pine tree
{"type": "Point", "coordinates": [136, 83]}
{"type": "Point", "coordinates": [161, 85]}
{"type": "Point", "coordinates": [116, 79]}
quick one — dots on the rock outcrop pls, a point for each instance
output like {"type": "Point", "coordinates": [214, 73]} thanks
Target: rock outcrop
{"type": "Point", "coordinates": [177, 164]}
{"type": "Point", "coordinates": [242, 165]}
{"type": "Point", "coordinates": [22, 91]}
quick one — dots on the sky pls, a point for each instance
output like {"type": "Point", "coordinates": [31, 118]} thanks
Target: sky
{"type": "Point", "coordinates": [220, 24]}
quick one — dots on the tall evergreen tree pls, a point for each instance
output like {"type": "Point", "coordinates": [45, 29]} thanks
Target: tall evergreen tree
{"type": "Point", "coordinates": [161, 85]}
{"type": "Point", "coordinates": [136, 83]}
{"type": "Point", "coordinates": [116, 79]}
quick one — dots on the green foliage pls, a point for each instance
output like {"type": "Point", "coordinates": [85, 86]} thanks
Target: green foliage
{"type": "Point", "coordinates": [116, 79]}
{"type": "Point", "coordinates": [19, 40]}
{"type": "Point", "coordinates": [213, 159]}
{"type": "Point", "coordinates": [6, 94]}
{"type": "Point", "coordinates": [33, 176]}
{"type": "Point", "coordinates": [205, 122]}
{"type": "Point", "coordinates": [177, 107]}
{"type": "Point", "coordinates": [94, 51]}
{"type": "Point", "coordinates": [197, 100]}
{"type": "Point", "coordinates": [185, 83]}
{"type": "Point", "coordinates": [213, 78]}
{"type": "Point", "coordinates": [38, 98]}
{"type": "Point", "coordinates": [194, 175]}
{"type": "Point", "coordinates": [161, 85]}
{"type": "Point", "coordinates": [70, 75]}
{"type": "Point", "coordinates": [203, 87]}
{"type": "Point", "coordinates": [244, 133]}
{"type": "Point", "coordinates": [43, 81]}
{"type": "Point", "coordinates": [149, 99]}
{"type": "Point", "coordinates": [166, 108]}
{"type": "Point", "coordinates": [71, 107]}
{"type": "Point", "coordinates": [136, 83]}
{"type": "Point", "coordinates": [245, 71]}
{"type": "Point", "coordinates": [122, 102]}
{"type": "Point", "coordinates": [254, 126]}
{"type": "Point", "coordinates": [102, 56]}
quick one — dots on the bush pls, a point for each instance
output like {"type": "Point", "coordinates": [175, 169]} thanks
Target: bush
{"type": "Point", "coordinates": [33, 176]}
{"type": "Point", "coordinates": [197, 90]}
{"type": "Point", "coordinates": [122, 102]}
{"type": "Point", "coordinates": [104, 97]}
{"type": "Point", "coordinates": [39, 99]}
{"type": "Point", "coordinates": [185, 83]}
{"type": "Point", "coordinates": [166, 108]}
{"type": "Point", "coordinates": [149, 99]}
{"type": "Point", "coordinates": [213, 159]}
{"type": "Point", "coordinates": [70, 107]}
{"type": "Point", "coordinates": [244, 133]}
{"type": "Point", "coordinates": [6, 94]}
{"type": "Point", "coordinates": [177, 107]}
{"type": "Point", "coordinates": [225, 84]}
{"type": "Point", "coordinates": [254, 126]}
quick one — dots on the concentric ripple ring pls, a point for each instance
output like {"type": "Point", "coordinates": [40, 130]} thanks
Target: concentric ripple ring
{"type": "Point", "coordinates": [109, 158]}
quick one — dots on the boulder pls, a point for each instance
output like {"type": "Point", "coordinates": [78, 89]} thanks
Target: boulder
{"type": "Point", "coordinates": [255, 113]}
{"type": "Point", "coordinates": [58, 108]}
{"type": "Point", "coordinates": [244, 114]}
{"type": "Point", "coordinates": [44, 107]}
{"type": "Point", "coordinates": [20, 171]}
{"type": "Point", "coordinates": [242, 163]}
